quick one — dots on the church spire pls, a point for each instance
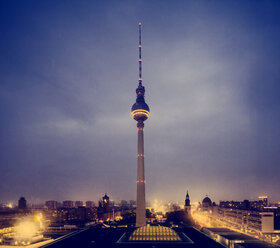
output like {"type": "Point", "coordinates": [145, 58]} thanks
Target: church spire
{"type": "Point", "coordinates": [187, 201]}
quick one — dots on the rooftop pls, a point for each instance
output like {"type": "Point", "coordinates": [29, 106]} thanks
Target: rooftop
{"type": "Point", "coordinates": [255, 245]}
{"type": "Point", "coordinates": [217, 230]}
{"type": "Point", "coordinates": [238, 236]}
{"type": "Point", "coordinates": [112, 237]}
{"type": "Point", "coordinates": [241, 240]}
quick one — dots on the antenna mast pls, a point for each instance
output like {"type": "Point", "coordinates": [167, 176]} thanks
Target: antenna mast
{"type": "Point", "coordinates": [140, 57]}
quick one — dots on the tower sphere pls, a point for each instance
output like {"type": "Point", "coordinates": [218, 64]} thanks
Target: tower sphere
{"type": "Point", "coordinates": [140, 110]}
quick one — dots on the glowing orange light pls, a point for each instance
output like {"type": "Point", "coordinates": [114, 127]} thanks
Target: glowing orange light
{"type": "Point", "coordinates": [25, 230]}
{"type": "Point", "coordinates": [140, 112]}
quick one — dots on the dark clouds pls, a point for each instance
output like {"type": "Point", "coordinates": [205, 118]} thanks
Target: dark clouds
{"type": "Point", "coordinates": [68, 77]}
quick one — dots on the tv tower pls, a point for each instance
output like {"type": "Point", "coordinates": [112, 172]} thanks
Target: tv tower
{"type": "Point", "coordinates": [140, 112]}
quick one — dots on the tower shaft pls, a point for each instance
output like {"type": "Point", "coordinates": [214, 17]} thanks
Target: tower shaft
{"type": "Point", "coordinates": [140, 201]}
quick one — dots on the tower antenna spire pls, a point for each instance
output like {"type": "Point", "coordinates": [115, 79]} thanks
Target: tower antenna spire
{"type": "Point", "coordinates": [140, 56]}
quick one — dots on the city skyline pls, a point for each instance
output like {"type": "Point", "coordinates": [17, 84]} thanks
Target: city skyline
{"type": "Point", "coordinates": [68, 73]}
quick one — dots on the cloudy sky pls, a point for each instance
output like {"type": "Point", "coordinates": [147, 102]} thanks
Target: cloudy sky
{"type": "Point", "coordinates": [68, 74]}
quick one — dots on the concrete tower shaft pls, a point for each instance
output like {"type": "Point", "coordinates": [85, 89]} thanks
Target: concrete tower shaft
{"type": "Point", "coordinates": [141, 201]}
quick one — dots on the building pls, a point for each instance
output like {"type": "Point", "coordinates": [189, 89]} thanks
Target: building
{"type": "Point", "coordinates": [245, 205]}
{"type": "Point", "coordinates": [68, 204]}
{"type": "Point", "coordinates": [260, 205]}
{"type": "Point", "coordinates": [22, 203]}
{"type": "Point", "coordinates": [263, 200]}
{"type": "Point", "coordinates": [206, 204]}
{"type": "Point", "coordinates": [124, 203]}
{"type": "Point", "coordinates": [140, 112]}
{"type": "Point", "coordinates": [90, 204]}
{"type": "Point", "coordinates": [81, 213]}
{"type": "Point", "coordinates": [106, 203]}
{"type": "Point", "coordinates": [51, 205]}
{"type": "Point", "coordinates": [105, 210]}
{"type": "Point", "coordinates": [233, 239]}
{"type": "Point", "coordinates": [187, 204]}
{"type": "Point", "coordinates": [78, 204]}
{"type": "Point", "coordinates": [253, 222]}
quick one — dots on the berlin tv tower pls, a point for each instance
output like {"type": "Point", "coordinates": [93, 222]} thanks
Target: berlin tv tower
{"type": "Point", "coordinates": [140, 112]}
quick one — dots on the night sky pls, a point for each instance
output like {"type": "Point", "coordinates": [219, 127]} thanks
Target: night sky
{"type": "Point", "coordinates": [68, 74]}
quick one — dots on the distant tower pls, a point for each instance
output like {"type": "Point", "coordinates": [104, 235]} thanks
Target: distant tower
{"type": "Point", "coordinates": [105, 203]}
{"type": "Point", "coordinates": [140, 112]}
{"type": "Point", "coordinates": [188, 204]}
{"type": "Point", "coordinates": [22, 203]}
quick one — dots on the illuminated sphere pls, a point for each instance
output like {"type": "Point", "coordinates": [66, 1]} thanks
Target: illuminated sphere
{"type": "Point", "coordinates": [140, 111]}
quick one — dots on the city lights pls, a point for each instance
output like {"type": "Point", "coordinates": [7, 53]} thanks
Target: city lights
{"type": "Point", "coordinates": [25, 230]}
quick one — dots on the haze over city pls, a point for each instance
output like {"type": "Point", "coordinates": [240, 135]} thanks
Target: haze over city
{"type": "Point", "coordinates": [68, 73]}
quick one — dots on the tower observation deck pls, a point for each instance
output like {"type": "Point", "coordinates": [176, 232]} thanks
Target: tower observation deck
{"type": "Point", "coordinates": [140, 111]}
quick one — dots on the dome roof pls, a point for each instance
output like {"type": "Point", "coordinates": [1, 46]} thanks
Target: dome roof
{"type": "Point", "coordinates": [207, 200]}
{"type": "Point", "coordinates": [140, 105]}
